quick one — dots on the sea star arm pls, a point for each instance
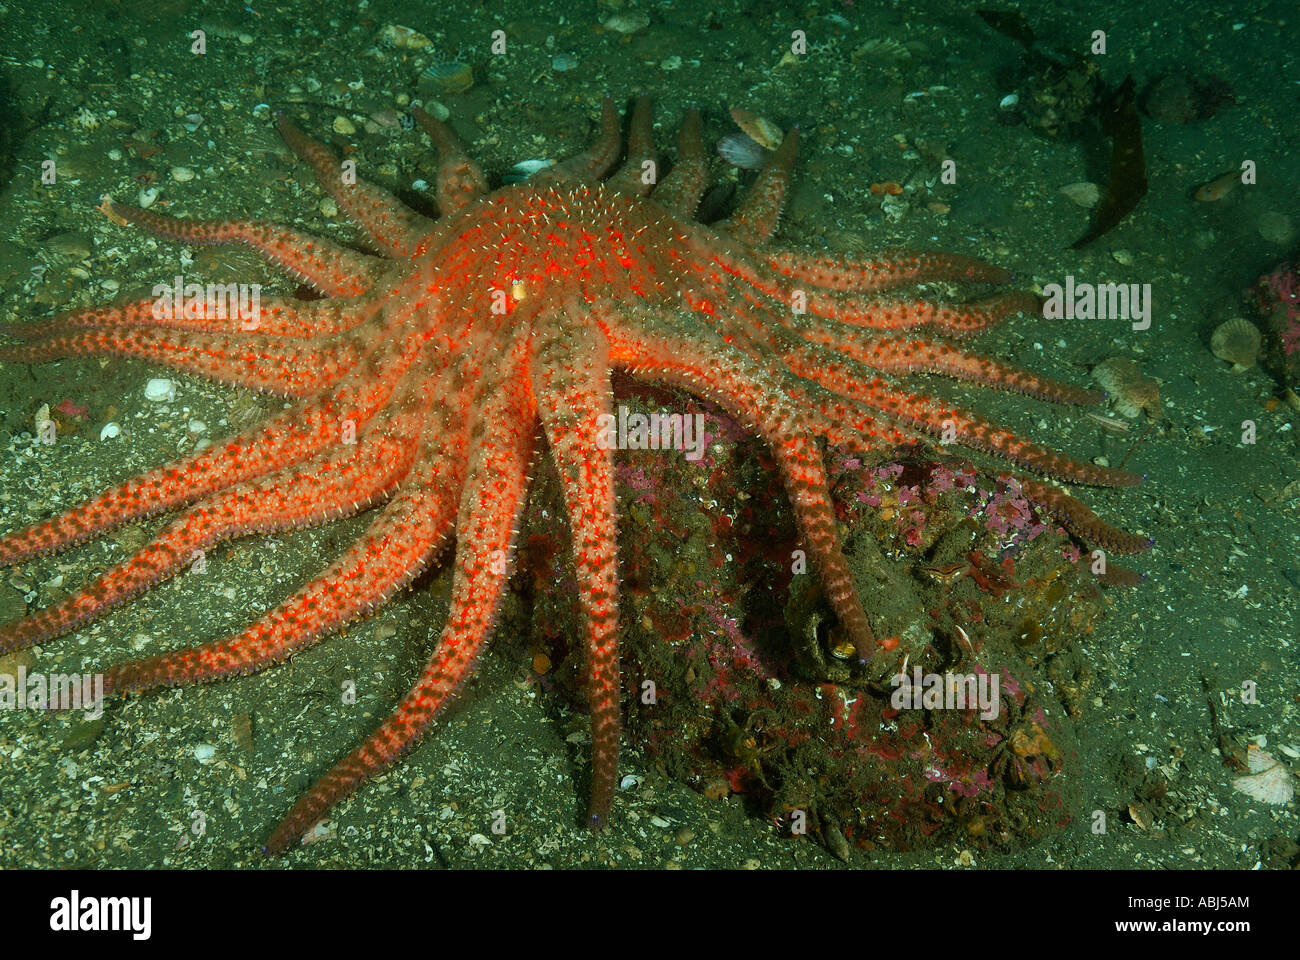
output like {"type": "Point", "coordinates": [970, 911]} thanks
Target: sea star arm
{"type": "Point", "coordinates": [900, 357]}
{"type": "Point", "coordinates": [846, 423]}
{"type": "Point", "coordinates": [289, 438]}
{"type": "Point", "coordinates": [591, 164]}
{"type": "Point", "coordinates": [651, 346]}
{"type": "Point", "coordinates": [460, 181]}
{"type": "Point", "coordinates": [275, 317]}
{"type": "Point", "coordinates": [397, 230]}
{"type": "Point", "coordinates": [331, 268]}
{"type": "Point", "coordinates": [631, 177]}
{"type": "Point", "coordinates": [883, 270]}
{"type": "Point", "coordinates": [485, 531]}
{"type": "Point", "coordinates": [826, 344]}
{"type": "Point", "coordinates": [850, 425]}
{"type": "Point", "coordinates": [336, 483]}
{"type": "Point", "coordinates": [786, 299]}
{"type": "Point", "coordinates": [758, 215]}
{"type": "Point", "coordinates": [938, 418]}
{"type": "Point", "coordinates": [779, 273]}
{"type": "Point", "coordinates": [1076, 517]}
{"type": "Point", "coordinates": [571, 383]}
{"type": "Point", "coordinates": [680, 191]}
{"type": "Point", "coordinates": [956, 320]}
{"type": "Point", "coordinates": [268, 364]}
{"type": "Point", "coordinates": [829, 367]}
{"type": "Point", "coordinates": [395, 548]}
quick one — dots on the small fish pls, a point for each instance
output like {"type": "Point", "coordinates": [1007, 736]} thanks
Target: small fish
{"type": "Point", "coordinates": [1218, 188]}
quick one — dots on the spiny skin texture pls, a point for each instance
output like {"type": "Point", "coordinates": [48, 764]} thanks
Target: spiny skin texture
{"type": "Point", "coordinates": [421, 383]}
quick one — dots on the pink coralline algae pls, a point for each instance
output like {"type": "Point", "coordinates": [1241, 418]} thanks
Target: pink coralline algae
{"type": "Point", "coordinates": [1277, 295]}
{"type": "Point", "coordinates": [961, 784]}
{"type": "Point", "coordinates": [634, 479]}
{"type": "Point", "coordinates": [1009, 515]}
{"type": "Point", "coordinates": [911, 493]}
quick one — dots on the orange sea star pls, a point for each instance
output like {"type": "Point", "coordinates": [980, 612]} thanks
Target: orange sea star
{"type": "Point", "coordinates": [419, 383]}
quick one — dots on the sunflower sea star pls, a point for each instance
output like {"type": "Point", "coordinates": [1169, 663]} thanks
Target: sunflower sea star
{"type": "Point", "coordinates": [418, 385]}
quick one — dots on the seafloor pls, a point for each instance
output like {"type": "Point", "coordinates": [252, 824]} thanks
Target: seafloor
{"type": "Point", "coordinates": [115, 95]}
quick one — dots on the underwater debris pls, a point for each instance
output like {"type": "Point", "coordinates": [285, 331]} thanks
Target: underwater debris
{"type": "Point", "coordinates": [1055, 93]}
{"type": "Point", "coordinates": [1128, 165]}
{"type": "Point", "coordinates": [1062, 94]}
{"type": "Point", "coordinates": [1131, 391]}
{"type": "Point", "coordinates": [1179, 96]}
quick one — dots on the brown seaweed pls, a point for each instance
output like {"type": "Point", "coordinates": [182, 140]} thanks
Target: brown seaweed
{"type": "Point", "coordinates": [1128, 165]}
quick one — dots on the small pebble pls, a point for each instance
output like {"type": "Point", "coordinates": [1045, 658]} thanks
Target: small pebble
{"type": "Point", "coordinates": [626, 21]}
{"type": "Point", "coordinates": [342, 125]}
{"type": "Point", "coordinates": [159, 389]}
{"type": "Point", "coordinates": [182, 174]}
{"type": "Point", "coordinates": [433, 108]}
{"type": "Point", "coordinates": [203, 752]}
